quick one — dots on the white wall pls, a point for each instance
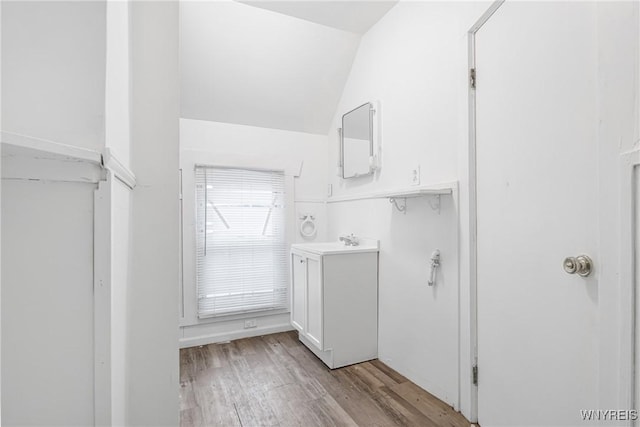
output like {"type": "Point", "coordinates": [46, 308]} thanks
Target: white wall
{"type": "Point", "coordinates": [153, 296]}
{"type": "Point", "coordinates": [47, 304]}
{"type": "Point", "coordinates": [230, 144]}
{"type": "Point", "coordinates": [117, 92]}
{"type": "Point", "coordinates": [418, 325]}
{"type": "Point", "coordinates": [410, 61]}
{"type": "Point", "coordinates": [53, 77]}
{"type": "Point", "coordinates": [414, 62]}
{"type": "Point", "coordinates": [250, 143]}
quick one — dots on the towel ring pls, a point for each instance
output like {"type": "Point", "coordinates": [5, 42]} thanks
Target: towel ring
{"type": "Point", "coordinates": [308, 226]}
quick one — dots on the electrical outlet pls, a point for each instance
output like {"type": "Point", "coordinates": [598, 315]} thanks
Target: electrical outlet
{"type": "Point", "coordinates": [414, 176]}
{"type": "Point", "coordinates": [250, 323]}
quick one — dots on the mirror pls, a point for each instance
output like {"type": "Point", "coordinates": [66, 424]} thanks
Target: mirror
{"type": "Point", "coordinates": [357, 142]}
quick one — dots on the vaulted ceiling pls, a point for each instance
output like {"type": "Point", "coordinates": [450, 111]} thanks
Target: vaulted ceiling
{"type": "Point", "coordinates": [261, 66]}
{"type": "Point", "coordinates": [356, 16]}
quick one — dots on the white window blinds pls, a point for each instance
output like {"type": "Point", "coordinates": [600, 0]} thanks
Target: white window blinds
{"type": "Point", "coordinates": [240, 241]}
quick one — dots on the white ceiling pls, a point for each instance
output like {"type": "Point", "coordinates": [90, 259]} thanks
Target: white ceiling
{"type": "Point", "coordinates": [248, 65]}
{"type": "Point", "coordinates": [356, 16]}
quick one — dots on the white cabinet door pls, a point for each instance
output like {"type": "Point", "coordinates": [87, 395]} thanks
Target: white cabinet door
{"type": "Point", "coordinates": [298, 289]}
{"type": "Point", "coordinates": [314, 301]}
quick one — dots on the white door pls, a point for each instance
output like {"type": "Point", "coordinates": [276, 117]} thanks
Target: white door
{"type": "Point", "coordinates": [537, 204]}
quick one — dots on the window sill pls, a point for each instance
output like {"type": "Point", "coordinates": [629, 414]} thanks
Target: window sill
{"type": "Point", "coordinates": [232, 317]}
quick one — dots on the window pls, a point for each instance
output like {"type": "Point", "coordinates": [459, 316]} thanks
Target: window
{"type": "Point", "coordinates": [241, 259]}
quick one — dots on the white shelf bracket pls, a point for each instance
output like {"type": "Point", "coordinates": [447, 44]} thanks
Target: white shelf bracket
{"type": "Point", "coordinates": [434, 202]}
{"type": "Point", "coordinates": [402, 206]}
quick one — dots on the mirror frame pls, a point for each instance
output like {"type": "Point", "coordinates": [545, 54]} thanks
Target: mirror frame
{"type": "Point", "coordinates": [342, 133]}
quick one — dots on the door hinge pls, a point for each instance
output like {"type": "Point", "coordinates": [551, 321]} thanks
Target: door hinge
{"type": "Point", "coordinates": [472, 78]}
{"type": "Point", "coordinates": [474, 374]}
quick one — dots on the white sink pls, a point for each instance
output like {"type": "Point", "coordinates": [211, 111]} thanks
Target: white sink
{"type": "Point", "coordinates": [329, 248]}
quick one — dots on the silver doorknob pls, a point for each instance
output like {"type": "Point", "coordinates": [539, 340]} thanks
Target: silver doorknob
{"type": "Point", "coordinates": [580, 265]}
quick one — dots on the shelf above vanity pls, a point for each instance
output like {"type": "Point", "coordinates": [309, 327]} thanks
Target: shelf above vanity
{"type": "Point", "coordinates": [446, 188]}
{"type": "Point", "coordinates": [418, 191]}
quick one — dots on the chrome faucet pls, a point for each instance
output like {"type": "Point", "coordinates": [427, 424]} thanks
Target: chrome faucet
{"type": "Point", "coordinates": [350, 240]}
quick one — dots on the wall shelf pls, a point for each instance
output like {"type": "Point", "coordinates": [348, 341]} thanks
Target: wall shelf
{"type": "Point", "coordinates": [405, 193]}
{"type": "Point", "coordinates": [398, 196]}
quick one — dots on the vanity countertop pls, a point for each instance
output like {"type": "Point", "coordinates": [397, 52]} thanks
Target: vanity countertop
{"type": "Point", "coordinates": [334, 248]}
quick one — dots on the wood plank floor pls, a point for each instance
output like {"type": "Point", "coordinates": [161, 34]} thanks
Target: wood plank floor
{"type": "Point", "coordinates": [275, 381]}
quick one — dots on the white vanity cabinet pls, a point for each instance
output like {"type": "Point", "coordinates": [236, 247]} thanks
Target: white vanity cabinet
{"type": "Point", "coordinates": [335, 300]}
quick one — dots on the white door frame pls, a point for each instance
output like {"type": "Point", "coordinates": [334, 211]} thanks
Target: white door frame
{"type": "Point", "coordinates": [473, 204]}
{"type": "Point", "coordinates": [630, 166]}
{"type": "Point", "coordinates": [113, 170]}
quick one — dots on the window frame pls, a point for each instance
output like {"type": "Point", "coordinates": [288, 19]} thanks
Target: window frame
{"type": "Point", "coordinates": [280, 237]}
{"type": "Point", "coordinates": [189, 160]}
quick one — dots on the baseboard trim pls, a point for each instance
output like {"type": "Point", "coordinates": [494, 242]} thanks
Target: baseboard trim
{"type": "Point", "coordinates": [230, 336]}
